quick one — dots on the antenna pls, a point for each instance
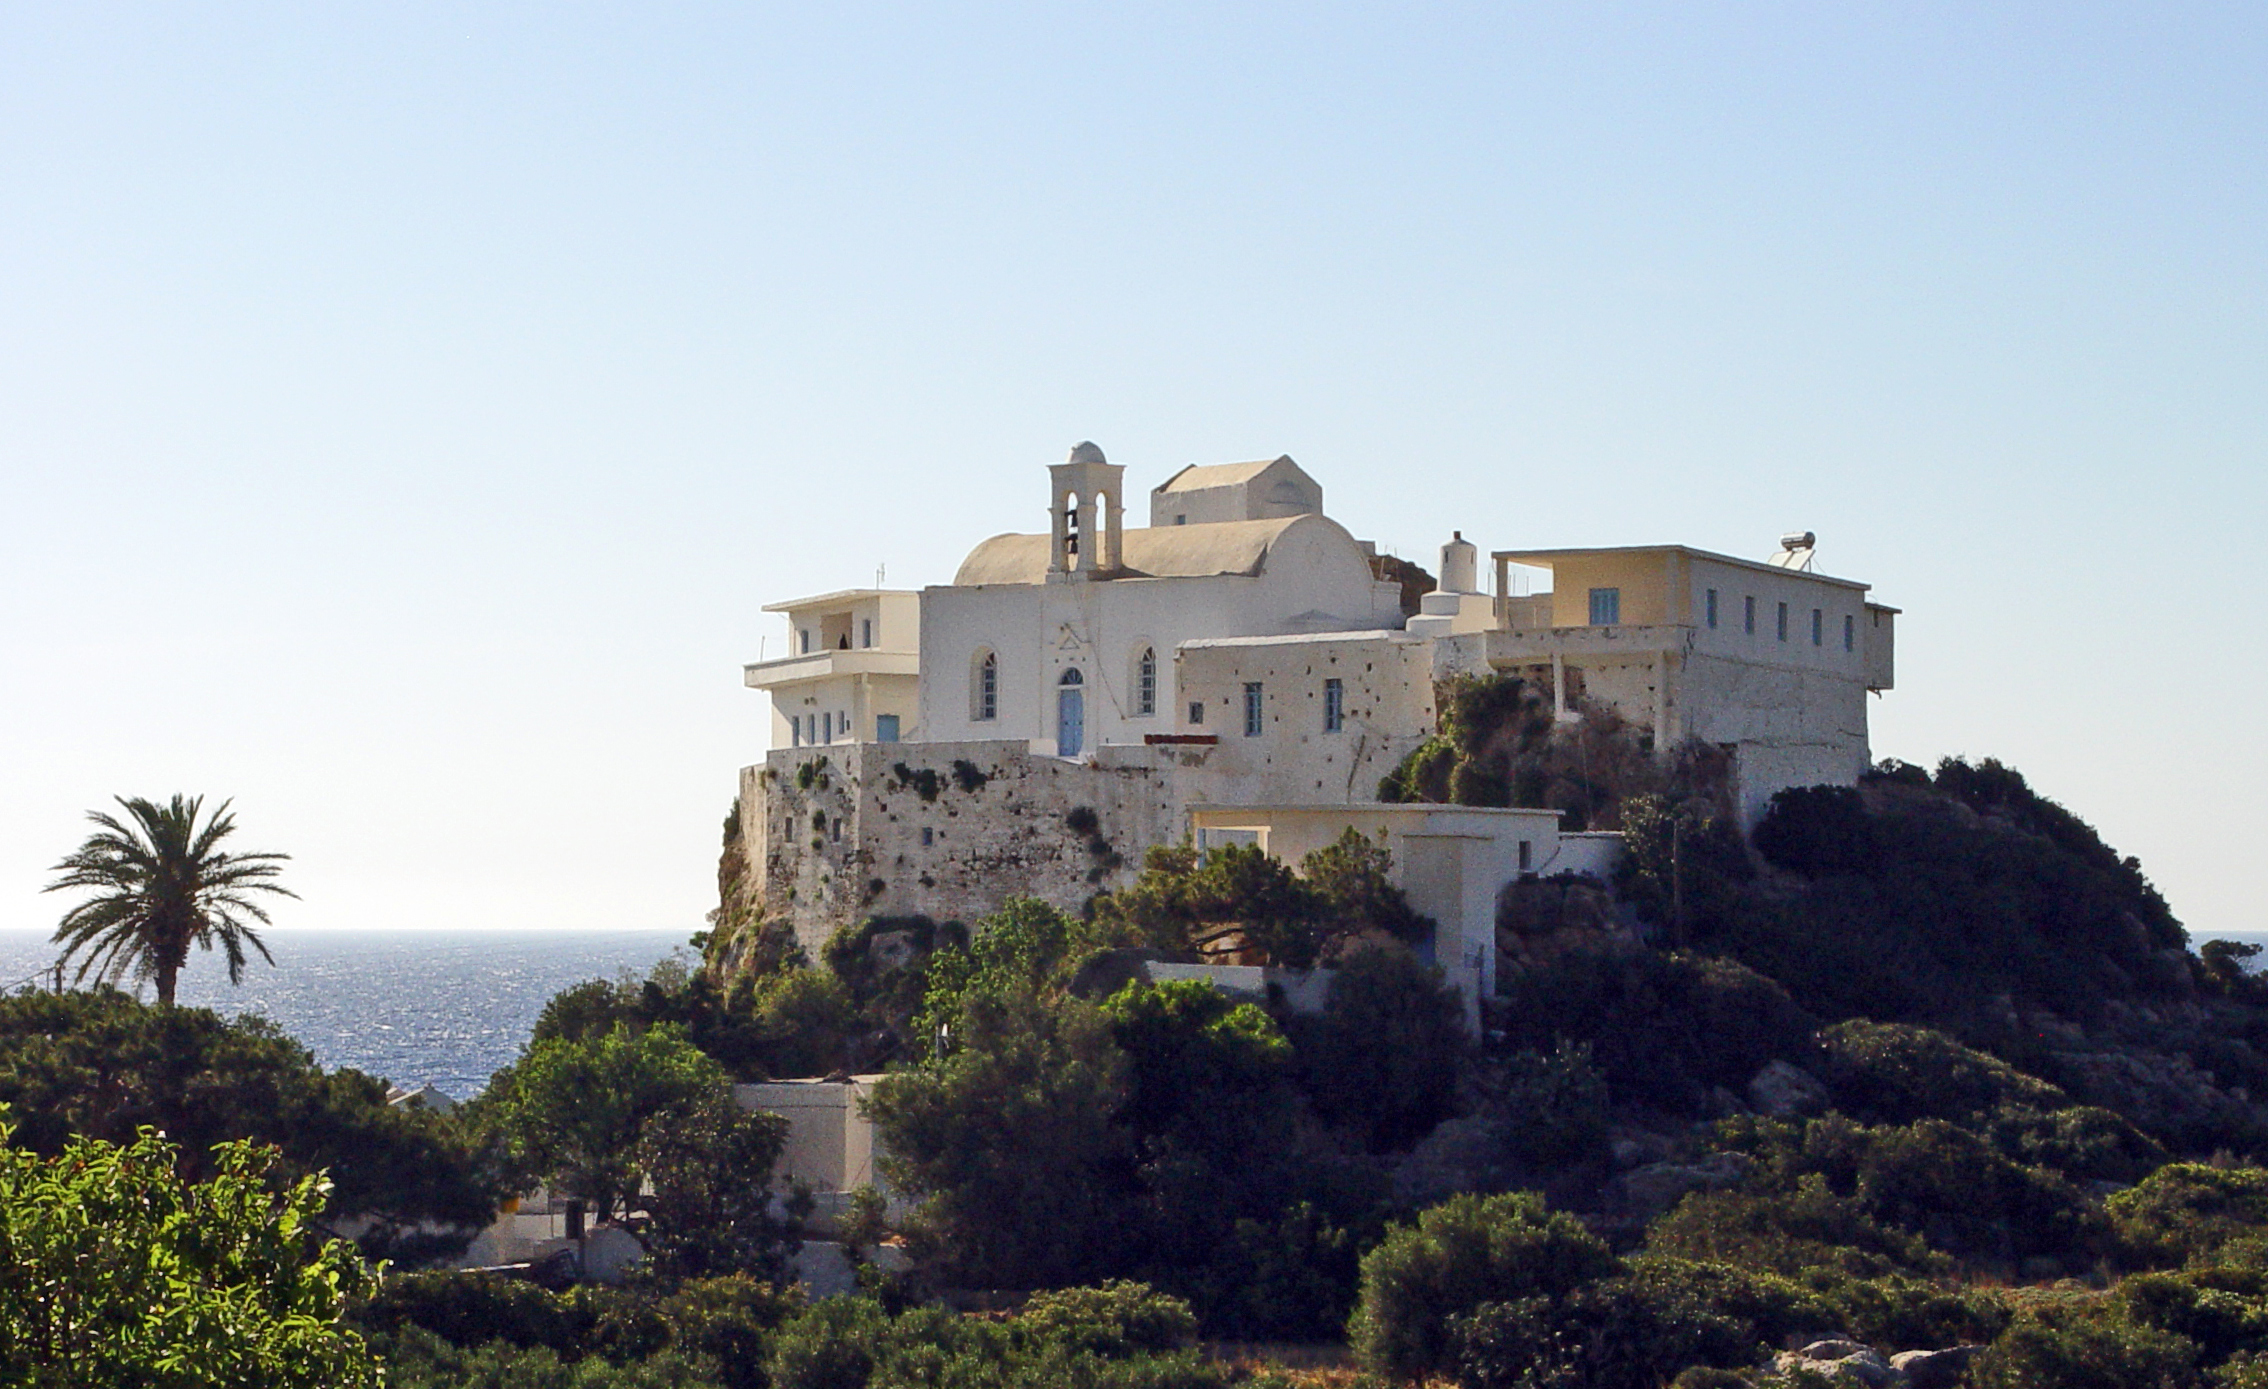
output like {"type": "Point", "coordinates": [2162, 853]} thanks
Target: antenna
{"type": "Point", "coordinates": [879, 570]}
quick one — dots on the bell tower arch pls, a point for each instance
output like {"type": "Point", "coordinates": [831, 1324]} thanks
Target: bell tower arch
{"type": "Point", "coordinates": [1086, 516]}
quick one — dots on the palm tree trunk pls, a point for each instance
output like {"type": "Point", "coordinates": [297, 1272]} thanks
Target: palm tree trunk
{"type": "Point", "coordinates": [165, 977]}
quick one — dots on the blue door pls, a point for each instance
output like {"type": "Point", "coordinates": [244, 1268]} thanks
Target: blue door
{"type": "Point", "coordinates": [1070, 714]}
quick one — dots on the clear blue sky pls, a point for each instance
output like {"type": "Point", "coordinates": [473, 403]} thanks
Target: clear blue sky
{"type": "Point", "coordinates": [404, 410]}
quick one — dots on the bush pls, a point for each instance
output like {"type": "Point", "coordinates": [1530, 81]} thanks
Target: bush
{"type": "Point", "coordinates": [1381, 1059]}
{"type": "Point", "coordinates": [1895, 1073]}
{"type": "Point", "coordinates": [2187, 1212]}
{"type": "Point", "coordinates": [1663, 1029]}
{"type": "Point", "coordinates": [1468, 1251]}
{"type": "Point", "coordinates": [471, 1309]}
{"type": "Point", "coordinates": [1819, 831]}
{"type": "Point", "coordinates": [1114, 1320]}
{"type": "Point", "coordinates": [1928, 1179]}
{"type": "Point", "coordinates": [1116, 1337]}
{"type": "Point", "coordinates": [2221, 1309]}
{"type": "Point", "coordinates": [1556, 1106]}
{"type": "Point", "coordinates": [1626, 1333]}
{"type": "Point", "coordinates": [2084, 1349]}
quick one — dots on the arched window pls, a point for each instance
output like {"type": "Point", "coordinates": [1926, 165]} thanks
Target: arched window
{"type": "Point", "coordinates": [1146, 683]}
{"type": "Point", "coordinates": [984, 688]}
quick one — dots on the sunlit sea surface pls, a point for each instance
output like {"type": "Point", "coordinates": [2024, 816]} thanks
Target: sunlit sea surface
{"type": "Point", "coordinates": [416, 1007]}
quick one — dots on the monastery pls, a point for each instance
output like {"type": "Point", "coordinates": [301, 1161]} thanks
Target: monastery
{"type": "Point", "coordinates": [1243, 669]}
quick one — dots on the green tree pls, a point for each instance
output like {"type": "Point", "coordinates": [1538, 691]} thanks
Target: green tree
{"type": "Point", "coordinates": [596, 1118]}
{"type": "Point", "coordinates": [118, 1271]}
{"type": "Point", "coordinates": [1011, 1143]}
{"type": "Point", "coordinates": [162, 885]}
{"type": "Point", "coordinates": [1381, 1059]}
{"type": "Point", "coordinates": [98, 1064]}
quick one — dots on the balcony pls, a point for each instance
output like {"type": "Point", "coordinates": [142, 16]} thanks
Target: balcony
{"type": "Point", "coordinates": [819, 665]}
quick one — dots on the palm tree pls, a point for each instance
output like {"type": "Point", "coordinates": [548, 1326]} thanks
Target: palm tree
{"type": "Point", "coordinates": [161, 886]}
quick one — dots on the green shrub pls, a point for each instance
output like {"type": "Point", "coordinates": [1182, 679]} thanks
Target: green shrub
{"type": "Point", "coordinates": [1663, 1028]}
{"type": "Point", "coordinates": [1465, 1252]}
{"type": "Point", "coordinates": [2084, 1348]}
{"type": "Point", "coordinates": [1381, 1059]}
{"type": "Point", "coordinates": [1555, 1104]}
{"type": "Point", "coordinates": [1789, 1232]}
{"type": "Point", "coordinates": [832, 1344]}
{"type": "Point", "coordinates": [1625, 1333]}
{"type": "Point", "coordinates": [1114, 1320]}
{"type": "Point", "coordinates": [471, 1309]}
{"type": "Point", "coordinates": [1818, 831]}
{"type": "Point", "coordinates": [2186, 1212]}
{"type": "Point", "coordinates": [1929, 1179]}
{"type": "Point", "coordinates": [2221, 1309]}
{"type": "Point", "coordinates": [421, 1360]}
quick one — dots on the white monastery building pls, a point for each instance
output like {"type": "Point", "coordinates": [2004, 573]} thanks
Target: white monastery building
{"type": "Point", "coordinates": [1238, 668]}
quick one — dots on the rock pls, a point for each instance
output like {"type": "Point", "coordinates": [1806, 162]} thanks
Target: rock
{"type": "Point", "coordinates": [1626, 1153]}
{"type": "Point", "coordinates": [1783, 1091]}
{"type": "Point", "coordinates": [1725, 1103]}
{"type": "Point", "coordinates": [1648, 1191]}
{"type": "Point", "coordinates": [1845, 1361]}
{"type": "Point", "coordinates": [1460, 1155]}
{"type": "Point", "coordinates": [1539, 920]}
{"type": "Point", "coordinates": [2156, 1090]}
{"type": "Point", "coordinates": [1934, 1369]}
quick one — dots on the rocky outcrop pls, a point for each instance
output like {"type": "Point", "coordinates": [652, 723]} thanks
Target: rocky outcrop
{"type": "Point", "coordinates": [1539, 920]}
{"type": "Point", "coordinates": [1934, 1369]}
{"type": "Point", "coordinates": [1460, 1155]}
{"type": "Point", "coordinates": [2159, 1091]}
{"type": "Point", "coordinates": [1645, 1192]}
{"type": "Point", "coordinates": [1783, 1091]}
{"type": "Point", "coordinates": [1838, 1361]}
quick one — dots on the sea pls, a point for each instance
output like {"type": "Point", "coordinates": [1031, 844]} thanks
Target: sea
{"type": "Point", "coordinates": [446, 1009]}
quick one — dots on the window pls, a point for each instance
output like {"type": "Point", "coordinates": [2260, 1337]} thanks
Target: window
{"type": "Point", "coordinates": [1818, 619]}
{"type": "Point", "coordinates": [866, 631]}
{"type": "Point", "coordinates": [795, 731]}
{"type": "Point", "coordinates": [1334, 705]}
{"type": "Point", "coordinates": [1253, 704]}
{"type": "Point", "coordinates": [885, 728]}
{"type": "Point", "coordinates": [984, 688]}
{"type": "Point", "coordinates": [827, 727]}
{"type": "Point", "coordinates": [805, 635]}
{"type": "Point", "coordinates": [1712, 607]}
{"type": "Point", "coordinates": [928, 836]}
{"type": "Point", "coordinates": [1527, 855]}
{"type": "Point", "coordinates": [1146, 683]}
{"type": "Point", "coordinates": [1783, 622]}
{"type": "Point", "coordinates": [1606, 607]}
{"type": "Point", "coordinates": [1748, 614]}
{"type": "Point", "coordinates": [1196, 711]}
{"type": "Point", "coordinates": [1850, 634]}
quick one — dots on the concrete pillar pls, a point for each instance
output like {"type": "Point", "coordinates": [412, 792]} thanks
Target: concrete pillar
{"type": "Point", "coordinates": [1559, 709]}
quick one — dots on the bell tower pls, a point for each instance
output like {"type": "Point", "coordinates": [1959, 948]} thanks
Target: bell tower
{"type": "Point", "coordinates": [1087, 489]}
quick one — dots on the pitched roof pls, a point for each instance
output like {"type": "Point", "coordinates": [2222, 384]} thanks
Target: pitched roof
{"type": "Point", "coordinates": [1159, 552]}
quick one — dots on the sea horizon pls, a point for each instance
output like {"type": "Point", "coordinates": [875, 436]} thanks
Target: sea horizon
{"type": "Point", "coordinates": [412, 1005]}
